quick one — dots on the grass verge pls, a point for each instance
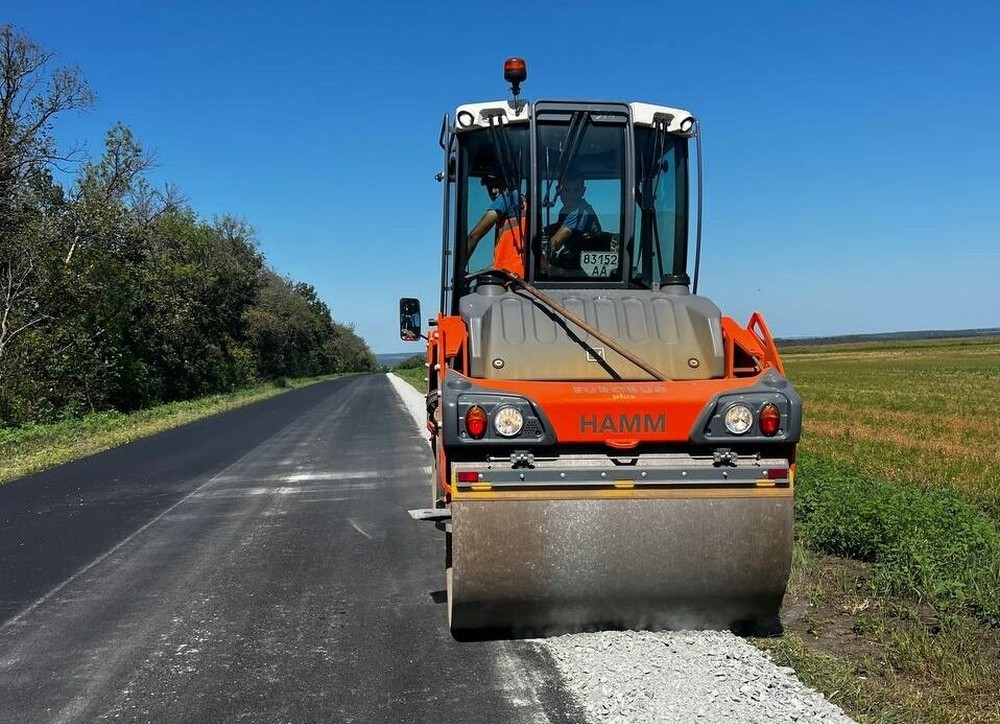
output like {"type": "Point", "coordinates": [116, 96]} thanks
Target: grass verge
{"type": "Point", "coordinates": [844, 682]}
{"type": "Point", "coordinates": [884, 658]}
{"type": "Point", "coordinates": [415, 376]}
{"type": "Point", "coordinates": [33, 448]}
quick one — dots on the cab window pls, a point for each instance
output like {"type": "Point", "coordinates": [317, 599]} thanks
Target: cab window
{"type": "Point", "coordinates": [581, 192]}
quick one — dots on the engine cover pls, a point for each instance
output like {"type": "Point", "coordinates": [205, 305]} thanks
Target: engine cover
{"type": "Point", "coordinates": [514, 336]}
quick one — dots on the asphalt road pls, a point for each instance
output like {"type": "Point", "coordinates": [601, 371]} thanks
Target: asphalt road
{"type": "Point", "coordinates": [258, 566]}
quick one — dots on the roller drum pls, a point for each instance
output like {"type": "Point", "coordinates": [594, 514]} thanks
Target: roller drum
{"type": "Point", "coordinates": [654, 563]}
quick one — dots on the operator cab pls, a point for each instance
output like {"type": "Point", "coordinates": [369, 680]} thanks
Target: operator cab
{"type": "Point", "coordinates": [604, 187]}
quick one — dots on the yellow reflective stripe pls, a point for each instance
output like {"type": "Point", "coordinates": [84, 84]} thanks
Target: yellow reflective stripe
{"type": "Point", "coordinates": [612, 493]}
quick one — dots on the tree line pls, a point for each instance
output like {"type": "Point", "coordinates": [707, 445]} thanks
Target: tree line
{"type": "Point", "coordinates": [114, 294]}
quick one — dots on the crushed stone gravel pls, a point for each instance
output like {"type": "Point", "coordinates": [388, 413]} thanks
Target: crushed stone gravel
{"type": "Point", "coordinates": [640, 677]}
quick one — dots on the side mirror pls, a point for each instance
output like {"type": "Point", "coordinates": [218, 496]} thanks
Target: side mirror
{"type": "Point", "coordinates": [409, 319]}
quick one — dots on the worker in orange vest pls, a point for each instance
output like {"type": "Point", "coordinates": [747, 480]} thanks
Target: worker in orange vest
{"type": "Point", "coordinates": [509, 215]}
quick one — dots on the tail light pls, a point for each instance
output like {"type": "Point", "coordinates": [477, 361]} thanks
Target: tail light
{"type": "Point", "coordinates": [769, 419]}
{"type": "Point", "coordinates": [475, 422]}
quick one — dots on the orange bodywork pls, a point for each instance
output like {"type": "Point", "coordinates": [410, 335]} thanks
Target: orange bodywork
{"type": "Point", "coordinates": [583, 412]}
{"type": "Point", "coordinates": [754, 340]}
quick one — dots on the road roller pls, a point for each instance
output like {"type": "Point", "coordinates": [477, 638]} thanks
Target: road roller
{"type": "Point", "coordinates": [610, 450]}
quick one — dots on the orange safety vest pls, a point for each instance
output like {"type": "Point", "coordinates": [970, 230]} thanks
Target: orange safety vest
{"type": "Point", "coordinates": [508, 252]}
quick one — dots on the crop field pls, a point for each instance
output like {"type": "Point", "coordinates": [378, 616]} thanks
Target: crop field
{"type": "Point", "coordinates": [917, 412]}
{"type": "Point", "coordinates": [893, 609]}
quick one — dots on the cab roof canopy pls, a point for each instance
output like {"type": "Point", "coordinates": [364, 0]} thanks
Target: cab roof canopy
{"type": "Point", "coordinates": [470, 116]}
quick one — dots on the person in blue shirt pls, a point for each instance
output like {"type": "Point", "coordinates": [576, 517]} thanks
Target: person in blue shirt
{"type": "Point", "coordinates": [575, 218]}
{"type": "Point", "coordinates": [508, 214]}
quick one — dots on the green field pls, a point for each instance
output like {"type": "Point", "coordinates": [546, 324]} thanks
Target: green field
{"type": "Point", "coordinates": [919, 412]}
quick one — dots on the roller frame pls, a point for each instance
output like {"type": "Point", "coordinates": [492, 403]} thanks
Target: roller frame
{"type": "Point", "coordinates": [626, 470]}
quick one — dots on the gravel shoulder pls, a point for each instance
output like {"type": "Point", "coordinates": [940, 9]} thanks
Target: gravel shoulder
{"type": "Point", "coordinates": [634, 677]}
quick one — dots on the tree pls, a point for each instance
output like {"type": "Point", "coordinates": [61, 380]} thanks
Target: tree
{"type": "Point", "coordinates": [291, 333]}
{"type": "Point", "coordinates": [411, 363]}
{"type": "Point", "coordinates": [95, 291]}
{"type": "Point", "coordinates": [31, 96]}
{"type": "Point", "coordinates": [29, 250]}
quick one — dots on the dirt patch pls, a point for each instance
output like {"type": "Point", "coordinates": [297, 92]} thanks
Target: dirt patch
{"type": "Point", "coordinates": [823, 603]}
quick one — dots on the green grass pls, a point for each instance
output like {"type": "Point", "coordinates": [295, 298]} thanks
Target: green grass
{"type": "Point", "coordinates": [926, 543]}
{"type": "Point", "coordinates": [933, 679]}
{"type": "Point", "coordinates": [882, 658]}
{"type": "Point", "coordinates": [31, 449]}
{"type": "Point", "coordinates": [845, 683]}
{"type": "Point", "coordinates": [415, 376]}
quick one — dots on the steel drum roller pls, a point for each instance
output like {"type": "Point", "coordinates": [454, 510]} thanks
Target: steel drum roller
{"type": "Point", "coordinates": [661, 563]}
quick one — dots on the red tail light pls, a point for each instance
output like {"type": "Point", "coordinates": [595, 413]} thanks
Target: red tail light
{"type": "Point", "coordinates": [769, 419]}
{"type": "Point", "coordinates": [475, 422]}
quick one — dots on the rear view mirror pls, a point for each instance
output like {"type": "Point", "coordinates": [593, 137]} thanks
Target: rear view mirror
{"type": "Point", "coordinates": [409, 319]}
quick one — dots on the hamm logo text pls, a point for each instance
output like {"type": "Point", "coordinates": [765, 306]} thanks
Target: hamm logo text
{"type": "Point", "coordinates": [623, 423]}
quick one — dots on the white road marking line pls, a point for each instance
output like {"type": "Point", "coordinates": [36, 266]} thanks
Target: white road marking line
{"type": "Point", "coordinates": [358, 528]}
{"type": "Point", "coordinates": [516, 678]}
{"type": "Point", "coordinates": [305, 477]}
{"type": "Point", "coordinates": [329, 476]}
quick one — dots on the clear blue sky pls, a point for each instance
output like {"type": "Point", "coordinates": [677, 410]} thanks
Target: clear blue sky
{"type": "Point", "coordinates": [852, 148]}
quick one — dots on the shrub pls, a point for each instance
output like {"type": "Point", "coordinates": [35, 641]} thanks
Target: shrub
{"type": "Point", "coordinates": [415, 362]}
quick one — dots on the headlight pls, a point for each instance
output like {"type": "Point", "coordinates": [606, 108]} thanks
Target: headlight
{"type": "Point", "coordinates": [508, 421]}
{"type": "Point", "coordinates": [739, 419]}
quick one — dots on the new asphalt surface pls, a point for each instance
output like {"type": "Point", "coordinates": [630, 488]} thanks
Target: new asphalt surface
{"type": "Point", "coordinates": [257, 566]}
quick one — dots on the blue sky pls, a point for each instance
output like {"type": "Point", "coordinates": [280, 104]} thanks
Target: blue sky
{"type": "Point", "coordinates": [852, 149]}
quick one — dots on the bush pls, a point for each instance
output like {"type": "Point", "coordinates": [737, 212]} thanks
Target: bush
{"type": "Point", "coordinates": [414, 362]}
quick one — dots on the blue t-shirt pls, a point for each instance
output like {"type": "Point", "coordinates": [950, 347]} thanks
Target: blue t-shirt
{"type": "Point", "coordinates": [580, 217]}
{"type": "Point", "coordinates": [508, 205]}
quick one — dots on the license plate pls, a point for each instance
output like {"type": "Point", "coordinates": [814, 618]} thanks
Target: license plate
{"type": "Point", "coordinates": [599, 263]}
